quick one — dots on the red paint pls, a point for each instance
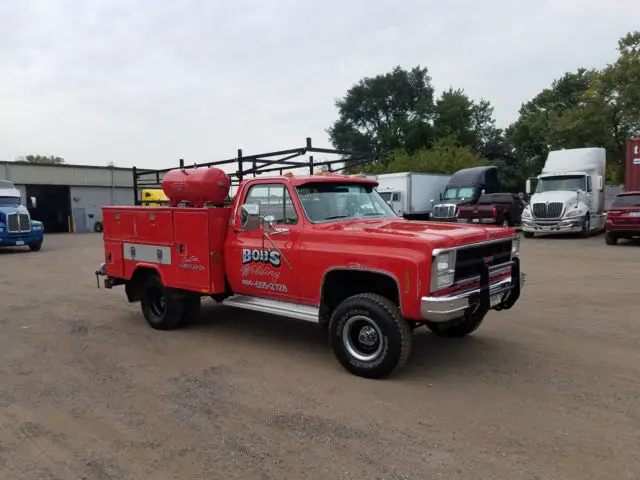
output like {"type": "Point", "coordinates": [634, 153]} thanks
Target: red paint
{"type": "Point", "coordinates": [621, 218]}
{"type": "Point", "coordinates": [209, 249]}
{"type": "Point", "coordinates": [632, 179]}
{"type": "Point", "coordinates": [196, 186]}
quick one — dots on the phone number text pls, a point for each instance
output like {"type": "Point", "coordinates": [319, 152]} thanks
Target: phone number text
{"type": "Point", "coordinates": [274, 287]}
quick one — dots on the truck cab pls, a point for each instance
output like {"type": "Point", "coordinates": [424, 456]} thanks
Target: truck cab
{"type": "Point", "coordinates": [569, 194]}
{"type": "Point", "coordinates": [464, 188]}
{"type": "Point", "coordinates": [322, 248]}
{"type": "Point", "coordinates": [16, 227]}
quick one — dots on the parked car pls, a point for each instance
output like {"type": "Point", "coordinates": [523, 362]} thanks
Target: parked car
{"type": "Point", "coordinates": [493, 208]}
{"type": "Point", "coordinates": [623, 219]}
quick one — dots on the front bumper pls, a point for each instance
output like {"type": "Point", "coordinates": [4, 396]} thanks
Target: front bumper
{"type": "Point", "coordinates": [500, 295]}
{"type": "Point", "coordinates": [21, 239]}
{"type": "Point", "coordinates": [566, 225]}
{"type": "Point", "coordinates": [484, 221]}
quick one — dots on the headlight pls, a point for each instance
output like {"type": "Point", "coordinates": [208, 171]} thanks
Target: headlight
{"type": "Point", "coordinates": [574, 213]}
{"type": "Point", "coordinates": [526, 213]}
{"type": "Point", "coordinates": [444, 268]}
{"type": "Point", "coordinates": [515, 247]}
{"type": "Point", "coordinates": [1, 229]}
{"type": "Point", "coordinates": [37, 227]}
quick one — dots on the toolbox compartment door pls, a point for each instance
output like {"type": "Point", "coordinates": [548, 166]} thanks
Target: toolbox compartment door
{"type": "Point", "coordinates": [191, 250]}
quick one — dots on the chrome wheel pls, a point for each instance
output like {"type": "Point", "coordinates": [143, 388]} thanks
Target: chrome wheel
{"type": "Point", "coordinates": [362, 338]}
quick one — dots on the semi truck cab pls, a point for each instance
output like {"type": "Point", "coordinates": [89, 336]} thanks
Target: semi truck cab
{"type": "Point", "coordinates": [569, 195]}
{"type": "Point", "coordinates": [16, 227]}
{"type": "Point", "coordinates": [465, 187]}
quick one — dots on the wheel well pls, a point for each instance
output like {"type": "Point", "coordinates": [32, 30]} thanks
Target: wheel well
{"type": "Point", "coordinates": [139, 276]}
{"type": "Point", "coordinates": [339, 285]}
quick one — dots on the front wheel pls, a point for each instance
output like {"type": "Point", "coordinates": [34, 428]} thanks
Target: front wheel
{"type": "Point", "coordinates": [457, 328]}
{"type": "Point", "coordinates": [161, 309]}
{"type": "Point", "coordinates": [369, 337]}
{"type": "Point", "coordinates": [527, 234]}
{"type": "Point", "coordinates": [586, 227]}
{"type": "Point", "coordinates": [35, 247]}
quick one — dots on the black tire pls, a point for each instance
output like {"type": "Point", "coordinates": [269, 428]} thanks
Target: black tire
{"type": "Point", "coordinates": [610, 238]}
{"type": "Point", "coordinates": [161, 308]}
{"type": "Point", "coordinates": [586, 227]}
{"type": "Point", "coordinates": [98, 227]}
{"type": "Point", "coordinates": [35, 247]}
{"type": "Point", "coordinates": [456, 328]}
{"type": "Point", "coordinates": [372, 318]}
{"type": "Point", "coordinates": [505, 222]}
{"type": "Point", "coordinates": [528, 234]}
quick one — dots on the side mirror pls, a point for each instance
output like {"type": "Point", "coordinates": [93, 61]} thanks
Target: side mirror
{"type": "Point", "coordinates": [268, 223]}
{"type": "Point", "coordinates": [482, 191]}
{"type": "Point", "coordinates": [440, 197]}
{"type": "Point", "coordinates": [33, 202]}
{"type": "Point", "coordinates": [250, 216]}
{"type": "Point", "coordinates": [600, 182]}
{"type": "Point", "coordinates": [528, 188]}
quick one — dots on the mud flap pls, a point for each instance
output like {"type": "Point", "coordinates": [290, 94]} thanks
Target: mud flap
{"type": "Point", "coordinates": [514, 293]}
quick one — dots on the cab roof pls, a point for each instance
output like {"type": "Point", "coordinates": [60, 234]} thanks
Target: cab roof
{"type": "Point", "coordinates": [297, 180]}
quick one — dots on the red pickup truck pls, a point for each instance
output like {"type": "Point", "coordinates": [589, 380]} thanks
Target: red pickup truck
{"type": "Point", "coordinates": [493, 209]}
{"type": "Point", "coordinates": [319, 248]}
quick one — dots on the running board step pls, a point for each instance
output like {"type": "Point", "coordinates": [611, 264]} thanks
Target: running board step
{"type": "Point", "coordinates": [274, 307]}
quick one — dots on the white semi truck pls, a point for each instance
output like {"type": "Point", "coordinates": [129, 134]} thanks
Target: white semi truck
{"type": "Point", "coordinates": [569, 195]}
{"type": "Point", "coordinates": [411, 194]}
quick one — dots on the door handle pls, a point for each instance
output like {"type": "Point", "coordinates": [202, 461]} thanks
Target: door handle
{"type": "Point", "coordinates": [181, 249]}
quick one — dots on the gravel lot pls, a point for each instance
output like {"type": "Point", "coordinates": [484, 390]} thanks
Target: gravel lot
{"type": "Point", "coordinates": [547, 390]}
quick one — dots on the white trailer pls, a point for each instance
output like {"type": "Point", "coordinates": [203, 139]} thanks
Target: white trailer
{"type": "Point", "coordinates": [569, 195]}
{"type": "Point", "coordinates": [412, 194]}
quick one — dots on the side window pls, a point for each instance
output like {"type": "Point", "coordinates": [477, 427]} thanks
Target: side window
{"type": "Point", "coordinates": [588, 184]}
{"type": "Point", "coordinates": [273, 199]}
{"type": "Point", "coordinates": [396, 197]}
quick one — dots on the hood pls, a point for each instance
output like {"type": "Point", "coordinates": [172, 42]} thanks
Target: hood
{"type": "Point", "coordinates": [438, 235]}
{"type": "Point", "coordinates": [11, 209]}
{"type": "Point", "coordinates": [556, 196]}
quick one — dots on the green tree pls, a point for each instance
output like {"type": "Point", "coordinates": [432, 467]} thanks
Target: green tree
{"type": "Point", "coordinates": [445, 156]}
{"type": "Point", "coordinates": [43, 159]}
{"type": "Point", "coordinates": [386, 112]}
{"type": "Point", "coordinates": [455, 114]}
{"type": "Point", "coordinates": [588, 108]}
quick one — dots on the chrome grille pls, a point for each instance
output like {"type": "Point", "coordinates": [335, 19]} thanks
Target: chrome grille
{"type": "Point", "coordinates": [470, 259]}
{"type": "Point", "coordinates": [547, 210]}
{"type": "Point", "coordinates": [444, 211]}
{"type": "Point", "coordinates": [13, 224]}
{"type": "Point", "coordinates": [24, 222]}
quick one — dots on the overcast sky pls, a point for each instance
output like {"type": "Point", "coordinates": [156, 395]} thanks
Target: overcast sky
{"type": "Point", "coordinates": [147, 82]}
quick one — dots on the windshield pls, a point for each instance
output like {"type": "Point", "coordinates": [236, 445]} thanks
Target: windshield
{"type": "Point", "coordinates": [10, 201]}
{"type": "Point", "coordinates": [627, 201]}
{"type": "Point", "coordinates": [324, 202]}
{"type": "Point", "coordinates": [562, 183]}
{"type": "Point", "coordinates": [458, 193]}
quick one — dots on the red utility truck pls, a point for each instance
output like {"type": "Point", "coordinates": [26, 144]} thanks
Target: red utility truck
{"type": "Point", "coordinates": [324, 248]}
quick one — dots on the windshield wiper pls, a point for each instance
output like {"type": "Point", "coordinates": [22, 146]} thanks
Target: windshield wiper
{"type": "Point", "coordinates": [336, 216]}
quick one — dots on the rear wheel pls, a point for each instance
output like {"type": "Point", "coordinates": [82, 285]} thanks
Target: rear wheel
{"type": "Point", "coordinates": [505, 222]}
{"type": "Point", "coordinates": [369, 337]}
{"type": "Point", "coordinates": [161, 308]}
{"type": "Point", "coordinates": [610, 238]}
{"type": "Point", "coordinates": [457, 328]}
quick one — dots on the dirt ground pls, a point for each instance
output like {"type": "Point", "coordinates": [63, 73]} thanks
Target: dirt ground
{"type": "Point", "coordinates": [547, 390]}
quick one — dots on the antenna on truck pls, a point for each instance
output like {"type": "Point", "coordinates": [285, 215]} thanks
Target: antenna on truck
{"type": "Point", "coordinates": [268, 162]}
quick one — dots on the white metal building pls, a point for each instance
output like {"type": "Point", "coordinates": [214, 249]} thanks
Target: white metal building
{"type": "Point", "coordinates": [68, 197]}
